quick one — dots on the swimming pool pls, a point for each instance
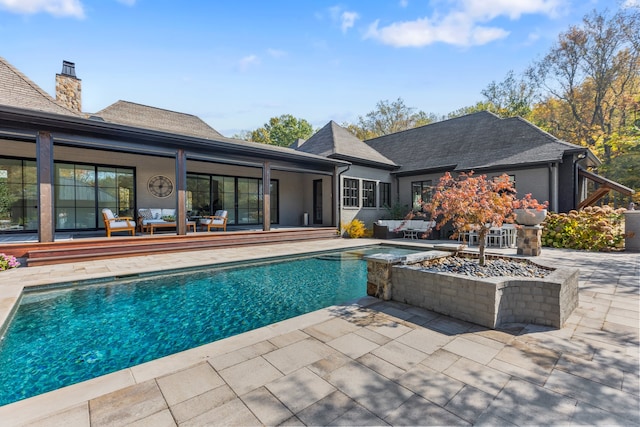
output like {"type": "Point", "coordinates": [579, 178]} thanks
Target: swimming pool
{"type": "Point", "coordinates": [59, 337]}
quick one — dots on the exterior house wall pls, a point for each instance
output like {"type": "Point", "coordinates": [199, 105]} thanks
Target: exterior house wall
{"type": "Point", "coordinates": [404, 187]}
{"type": "Point", "coordinates": [18, 149]}
{"type": "Point", "coordinates": [534, 181]}
{"type": "Point", "coordinates": [292, 185]}
{"type": "Point", "coordinates": [305, 188]}
{"type": "Point", "coordinates": [366, 215]}
{"type": "Point", "coordinates": [291, 204]}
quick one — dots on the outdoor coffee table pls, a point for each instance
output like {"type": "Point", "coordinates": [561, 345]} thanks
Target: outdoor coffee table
{"type": "Point", "coordinates": [191, 225]}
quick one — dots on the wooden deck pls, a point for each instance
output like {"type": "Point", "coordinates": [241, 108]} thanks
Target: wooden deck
{"type": "Point", "coordinates": [123, 246]}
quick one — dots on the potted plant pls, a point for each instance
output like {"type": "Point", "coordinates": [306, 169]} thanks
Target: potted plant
{"type": "Point", "coordinates": [528, 211]}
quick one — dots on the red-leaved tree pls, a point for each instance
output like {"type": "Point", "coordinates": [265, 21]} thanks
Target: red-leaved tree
{"type": "Point", "coordinates": [475, 203]}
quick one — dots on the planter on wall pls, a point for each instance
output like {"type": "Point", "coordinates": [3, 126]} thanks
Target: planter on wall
{"type": "Point", "coordinates": [530, 216]}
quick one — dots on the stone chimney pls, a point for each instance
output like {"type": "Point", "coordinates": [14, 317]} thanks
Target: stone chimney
{"type": "Point", "coordinates": [69, 87]}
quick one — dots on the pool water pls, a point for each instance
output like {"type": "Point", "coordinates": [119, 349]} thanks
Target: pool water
{"type": "Point", "coordinates": [62, 337]}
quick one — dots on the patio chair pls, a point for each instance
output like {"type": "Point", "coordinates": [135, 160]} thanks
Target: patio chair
{"type": "Point", "coordinates": [509, 236]}
{"type": "Point", "coordinates": [218, 220]}
{"type": "Point", "coordinates": [113, 223]}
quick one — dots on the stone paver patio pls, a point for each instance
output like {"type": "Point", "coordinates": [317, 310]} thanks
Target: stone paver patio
{"type": "Point", "coordinates": [371, 362]}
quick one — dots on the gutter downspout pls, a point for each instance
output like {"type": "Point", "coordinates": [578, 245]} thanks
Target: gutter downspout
{"type": "Point", "coordinates": [553, 187]}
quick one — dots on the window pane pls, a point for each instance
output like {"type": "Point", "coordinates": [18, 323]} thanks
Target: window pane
{"type": "Point", "coordinates": [385, 194]}
{"type": "Point", "coordinates": [107, 177]}
{"type": "Point", "coordinates": [368, 194]}
{"type": "Point", "coordinates": [350, 192]}
{"type": "Point", "coordinates": [421, 191]}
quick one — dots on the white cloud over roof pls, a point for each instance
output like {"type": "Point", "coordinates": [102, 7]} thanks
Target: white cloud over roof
{"type": "Point", "coordinates": [465, 23]}
{"type": "Point", "coordinates": [72, 8]}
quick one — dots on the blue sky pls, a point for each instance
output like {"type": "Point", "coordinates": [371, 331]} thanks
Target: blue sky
{"type": "Point", "coordinates": [235, 64]}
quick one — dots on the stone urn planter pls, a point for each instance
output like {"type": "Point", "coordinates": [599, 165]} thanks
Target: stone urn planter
{"type": "Point", "coordinates": [530, 216]}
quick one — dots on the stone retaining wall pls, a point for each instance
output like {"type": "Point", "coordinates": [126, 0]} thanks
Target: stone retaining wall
{"type": "Point", "coordinates": [489, 302]}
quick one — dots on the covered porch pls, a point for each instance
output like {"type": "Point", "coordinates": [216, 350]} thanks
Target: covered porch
{"type": "Point", "coordinates": [59, 172]}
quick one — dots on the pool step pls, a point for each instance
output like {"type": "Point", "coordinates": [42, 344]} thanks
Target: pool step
{"type": "Point", "coordinates": [115, 247]}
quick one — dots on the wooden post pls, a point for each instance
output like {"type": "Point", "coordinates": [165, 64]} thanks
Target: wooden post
{"type": "Point", "coordinates": [266, 196]}
{"type": "Point", "coordinates": [181, 192]}
{"type": "Point", "coordinates": [44, 166]}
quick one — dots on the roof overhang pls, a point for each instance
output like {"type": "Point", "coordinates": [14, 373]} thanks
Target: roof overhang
{"type": "Point", "coordinates": [364, 162]}
{"type": "Point", "coordinates": [604, 186]}
{"type": "Point", "coordinates": [438, 169]}
{"type": "Point", "coordinates": [24, 124]}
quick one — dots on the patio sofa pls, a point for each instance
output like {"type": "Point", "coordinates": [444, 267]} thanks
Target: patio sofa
{"type": "Point", "coordinates": [150, 219]}
{"type": "Point", "coordinates": [398, 228]}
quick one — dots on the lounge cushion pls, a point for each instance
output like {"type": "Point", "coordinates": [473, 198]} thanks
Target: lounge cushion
{"type": "Point", "coordinates": [120, 224]}
{"type": "Point", "coordinates": [108, 213]}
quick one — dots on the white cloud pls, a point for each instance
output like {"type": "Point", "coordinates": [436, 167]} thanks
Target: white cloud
{"type": "Point", "coordinates": [127, 2]}
{"type": "Point", "coordinates": [513, 9]}
{"type": "Point", "coordinates": [404, 3]}
{"type": "Point", "coordinates": [631, 3]}
{"type": "Point", "coordinates": [346, 19]}
{"type": "Point", "coordinates": [71, 8]}
{"type": "Point", "coordinates": [466, 23]}
{"type": "Point", "coordinates": [248, 62]}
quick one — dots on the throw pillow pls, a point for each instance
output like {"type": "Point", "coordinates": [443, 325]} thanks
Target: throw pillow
{"type": "Point", "coordinates": [145, 213]}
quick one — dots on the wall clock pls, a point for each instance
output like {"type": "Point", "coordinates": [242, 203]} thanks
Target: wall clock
{"type": "Point", "coordinates": [160, 186]}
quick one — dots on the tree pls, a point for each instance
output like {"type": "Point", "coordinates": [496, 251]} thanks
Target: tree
{"type": "Point", "coordinates": [282, 131]}
{"type": "Point", "coordinates": [479, 106]}
{"type": "Point", "coordinates": [590, 81]}
{"type": "Point", "coordinates": [389, 117]}
{"type": "Point", "coordinates": [475, 203]}
{"type": "Point", "coordinates": [511, 97]}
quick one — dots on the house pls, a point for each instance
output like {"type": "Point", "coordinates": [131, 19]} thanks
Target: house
{"type": "Point", "coordinates": [411, 162]}
{"type": "Point", "coordinates": [60, 166]}
{"type": "Point", "coordinates": [536, 162]}
{"type": "Point", "coordinates": [366, 184]}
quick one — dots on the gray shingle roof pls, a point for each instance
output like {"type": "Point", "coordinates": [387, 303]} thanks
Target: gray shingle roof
{"type": "Point", "coordinates": [475, 141]}
{"type": "Point", "coordinates": [16, 90]}
{"type": "Point", "coordinates": [143, 116]}
{"type": "Point", "coordinates": [336, 142]}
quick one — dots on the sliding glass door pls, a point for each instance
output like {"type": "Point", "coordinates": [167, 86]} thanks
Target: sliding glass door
{"type": "Point", "coordinates": [241, 197]}
{"type": "Point", "coordinates": [82, 191]}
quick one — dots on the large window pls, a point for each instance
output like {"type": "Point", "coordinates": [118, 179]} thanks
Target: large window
{"type": "Point", "coordinates": [385, 194]}
{"type": "Point", "coordinates": [350, 192]}
{"type": "Point", "coordinates": [369, 194]}
{"type": "Point", "coordinates": [18, 195]}
{"type": "Point", "coordinates": [198, 194]}
{"type": "Point", "coordinates": [421, 193]}
{"type": "Point", "coordinates": [82, 191]}
{"type": "Point", "coordinates": [241, 197]}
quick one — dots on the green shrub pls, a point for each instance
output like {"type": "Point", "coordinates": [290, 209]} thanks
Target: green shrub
{"type": "Point", "coordinates": [397, 211]}
{"type": "Point", "coordinates": [592, 229]}
{"type": "Point", "coordinates": [356, 229]}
